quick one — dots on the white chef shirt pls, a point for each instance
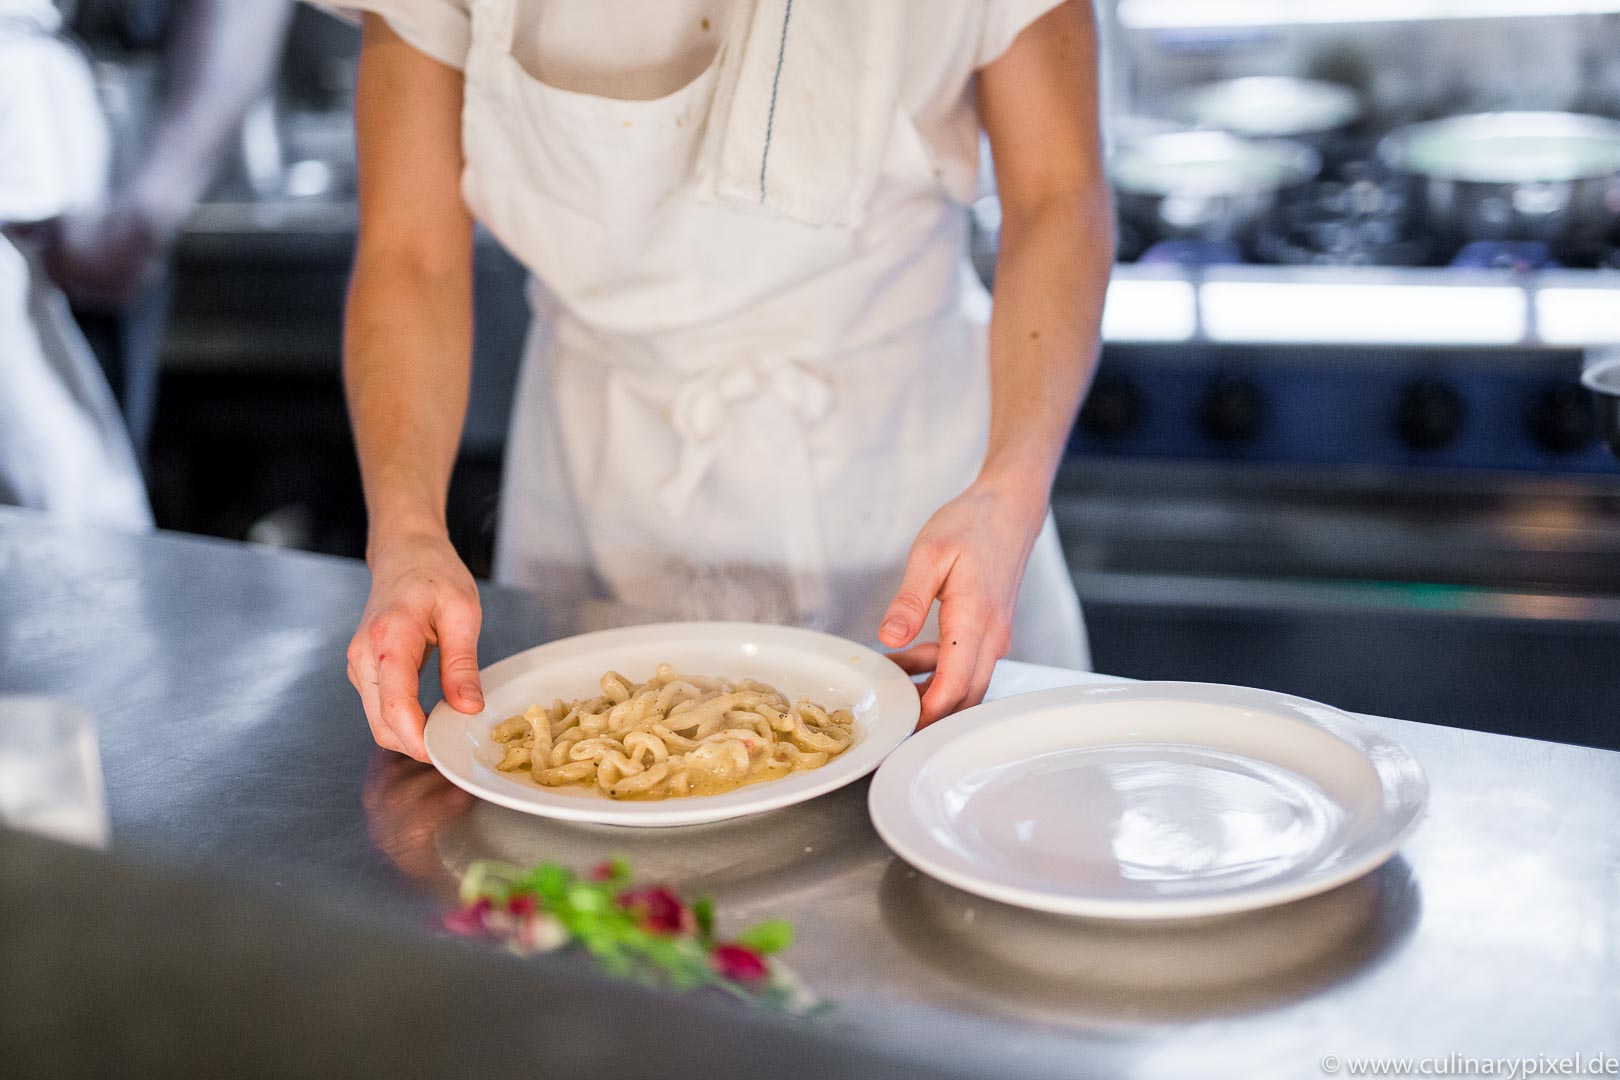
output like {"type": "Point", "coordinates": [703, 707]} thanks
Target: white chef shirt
{"type": "Point", "coordinates": [53, 138]}
{"type": "Point", "coordinates": [643, 49]}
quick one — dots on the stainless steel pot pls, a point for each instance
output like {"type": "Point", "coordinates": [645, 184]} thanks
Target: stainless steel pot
{"type": "Point", "coordinates": [1274, 107]}
{"type": "Point", "coordinates": [1204, 184]}
{"type": "Point", "coordinates": [1601, 374]}
{"type": "Point", "coordinates": [1552, 177]}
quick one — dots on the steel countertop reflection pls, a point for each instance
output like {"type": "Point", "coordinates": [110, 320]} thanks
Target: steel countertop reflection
{"type": "Point", "coordinates": [231, 737]}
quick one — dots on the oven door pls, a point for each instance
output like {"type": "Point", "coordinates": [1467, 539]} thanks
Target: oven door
{"type": "Point", "coordinates": [1488, 603]}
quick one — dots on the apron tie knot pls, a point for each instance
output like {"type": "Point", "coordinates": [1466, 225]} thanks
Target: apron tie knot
{"type": "Point", "coordinates": [704, 401]}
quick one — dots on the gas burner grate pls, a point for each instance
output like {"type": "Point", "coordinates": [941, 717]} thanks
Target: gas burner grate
{"type": "Point", "coordinates": [1354, 221]}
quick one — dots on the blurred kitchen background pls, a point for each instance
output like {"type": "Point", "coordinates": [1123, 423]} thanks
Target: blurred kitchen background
{"type": "Point", "coordinates": [1338, 444]}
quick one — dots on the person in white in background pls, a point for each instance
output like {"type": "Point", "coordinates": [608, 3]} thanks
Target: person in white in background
{"type": "Point", "coordinates": [759, 382]}
{"type": "Point", "coordinates": [216, 58]}
{"type": "Point", "coordinates": [64, 448]}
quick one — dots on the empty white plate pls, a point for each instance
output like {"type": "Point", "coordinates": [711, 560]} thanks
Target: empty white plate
{"type": "Point", "coordinates": [1148, 800]}
{"type": "Point", "coordinates": [830, 671]}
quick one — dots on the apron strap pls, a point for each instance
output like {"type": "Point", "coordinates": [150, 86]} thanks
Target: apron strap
{"type": "Point", "coordinates": [496, 21]}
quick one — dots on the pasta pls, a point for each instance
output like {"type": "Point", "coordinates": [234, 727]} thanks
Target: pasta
{"type": "Point", "coordinates": [671, 736]}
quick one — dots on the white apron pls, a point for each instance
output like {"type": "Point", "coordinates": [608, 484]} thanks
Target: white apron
{"type": "Point", "coordinates": [722, 413]}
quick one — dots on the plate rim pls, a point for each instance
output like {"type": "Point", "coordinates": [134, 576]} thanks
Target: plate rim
{"type": "Point", "coordinates": [890, 791]}
{"type": "Point", "coordinates": [673, 813]}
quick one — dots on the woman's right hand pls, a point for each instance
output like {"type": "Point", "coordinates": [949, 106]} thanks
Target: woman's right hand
{"type": "Point", "coordinates": [421, 596]}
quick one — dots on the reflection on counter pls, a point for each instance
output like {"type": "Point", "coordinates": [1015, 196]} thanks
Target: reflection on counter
{"type": "Point", "coordinates": [1097, 973]}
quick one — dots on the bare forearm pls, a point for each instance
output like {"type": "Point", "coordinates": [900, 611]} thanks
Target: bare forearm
{"type": "Point", "coordinates": [406, 369]}
{"type": "Point", "coordinates": [407, 363]}
{"type": "Point", "coordinates": [1051, 279]}
{"type": "Point", "coordinates": [224, 54]}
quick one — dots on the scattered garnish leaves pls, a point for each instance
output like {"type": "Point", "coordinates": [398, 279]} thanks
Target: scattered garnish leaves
{"type": "Point", "coordinates": [646, 933]}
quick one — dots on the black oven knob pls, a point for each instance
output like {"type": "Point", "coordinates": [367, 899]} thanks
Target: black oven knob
{"type": "Point", "coordinates": [1562, 420]}
{"type": "Point", "coordinates": [1429, 415]}
{"type": "Point", "coordinates": [1113, 408]}
{"type": "Point", "coordinates": [1232, 411]}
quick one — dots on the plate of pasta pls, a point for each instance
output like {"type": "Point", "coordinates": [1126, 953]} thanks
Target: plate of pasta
{"type": "Point", "coordinates": [676, 723]}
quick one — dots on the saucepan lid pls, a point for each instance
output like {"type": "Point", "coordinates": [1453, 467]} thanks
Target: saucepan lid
{"type": "Point", "coordinates": [1273, 106]}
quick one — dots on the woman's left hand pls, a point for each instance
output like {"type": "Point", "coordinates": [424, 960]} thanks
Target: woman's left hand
{"type": "Point", "coordinates": [970, 556]}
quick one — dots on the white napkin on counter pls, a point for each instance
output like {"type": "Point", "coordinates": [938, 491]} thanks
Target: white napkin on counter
{"type": "Point", "coordinates": [803, 107]}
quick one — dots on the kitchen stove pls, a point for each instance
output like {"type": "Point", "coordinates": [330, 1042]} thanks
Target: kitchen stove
{"type": "Point", "coordinates": [1340, 411]}
{"type": "Point", "coordinates": [1333, 334]}
{"type": "Point", "coordinates": [1369, 413]}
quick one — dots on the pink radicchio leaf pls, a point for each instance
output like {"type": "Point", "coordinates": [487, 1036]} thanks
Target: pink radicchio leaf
{"type": "Point", "coordinates": [739, 963]}
{"type": "Point", "coordinates": [470, 920]}
{"type": "Point", "coordinates": [658, 910]}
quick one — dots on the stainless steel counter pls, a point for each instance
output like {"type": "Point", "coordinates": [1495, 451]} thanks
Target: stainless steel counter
{"type": "Point", "coordinates": [231, 737]}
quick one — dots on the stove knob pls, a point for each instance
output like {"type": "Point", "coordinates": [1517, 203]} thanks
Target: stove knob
{"type": "Point", "coordinates": [1429, 415]}
{"type": "Point", "coordinates": [1232, 411]}
{"type": "Point", "coordinates": [1113, 408]}
{"type": "Point", "coordinates": [1562, 420]}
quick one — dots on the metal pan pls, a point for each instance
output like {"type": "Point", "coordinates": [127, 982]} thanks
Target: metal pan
{"type": "Point", "coordinates": [1206, 185]}
{"type": "Point", "coordinates": [1601, 375]}
{"type": "Point", "coordinates": [1546, 176]}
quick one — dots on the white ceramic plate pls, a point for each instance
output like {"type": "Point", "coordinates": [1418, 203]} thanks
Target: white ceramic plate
{"type": "Point", "coordinates": [829, 670]}
{"type": "Point", "coordinates": [1148, 800]}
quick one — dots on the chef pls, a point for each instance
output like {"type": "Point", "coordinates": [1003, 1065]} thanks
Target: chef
{"type": "Point", "coordinates": [63, 445]}
{"type": "Point", "coordinates": [760, 383]}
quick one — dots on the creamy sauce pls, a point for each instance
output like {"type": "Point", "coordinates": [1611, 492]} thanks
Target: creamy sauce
{"type": "Point", "coordinates": [586, 789]}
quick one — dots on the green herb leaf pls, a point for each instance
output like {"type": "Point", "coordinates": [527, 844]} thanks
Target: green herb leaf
{"type": "Point", "coordinates": [583, 897]}
{"type": "Point", "coordinates": [550, 882]}
{"type": "Point", "coordinates": [703, 913]}
{"type": "Point", "coordinates": [768, 937]}
{"type": "Point", "coordinates": [488, 877]}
